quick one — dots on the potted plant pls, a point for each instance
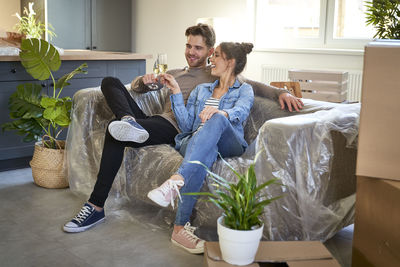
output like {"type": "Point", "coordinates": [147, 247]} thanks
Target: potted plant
{"type": "Point", "coordinates": [240, 227]}
{"type": "Point", "coordinates": [29, 26]}
{"type": "Point", "coordinates": [384, 15]}
{"type": "Point", "coordinates": [39, 117]}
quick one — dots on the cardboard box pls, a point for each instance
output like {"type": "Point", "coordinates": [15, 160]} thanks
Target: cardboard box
{"type": "Point", "coordinates": [293, 253]}
{"type": "Point", "coordinates": [376, 239]}
{"type": "Point", "coordinates": [379, 144]}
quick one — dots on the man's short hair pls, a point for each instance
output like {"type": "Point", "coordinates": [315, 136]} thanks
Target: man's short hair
{"type": "Point", "coordinates": [205, 30]}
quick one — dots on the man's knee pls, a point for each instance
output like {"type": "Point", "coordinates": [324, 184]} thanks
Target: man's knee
{"type": "Point", "coordinates": [108, 82]}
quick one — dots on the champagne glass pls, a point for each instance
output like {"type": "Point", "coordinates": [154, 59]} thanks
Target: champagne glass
{"type": "Point", "coordinates": [162, 63]}
{"type": "Point", "coordinates": [160, 67]}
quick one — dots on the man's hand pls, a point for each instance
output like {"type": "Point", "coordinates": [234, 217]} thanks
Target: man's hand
{"type": "Point", "coordinates": [208, 112]}
{"type": "Point", "coordinates": [291, 102]}
{"type": "Point", "coordinates": [149, 78]}
{"type": "Point", "coordinates": [170, 82]}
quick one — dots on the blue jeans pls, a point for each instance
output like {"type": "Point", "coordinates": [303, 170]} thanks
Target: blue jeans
{"type": "Point", "coordinates": [217, 135]}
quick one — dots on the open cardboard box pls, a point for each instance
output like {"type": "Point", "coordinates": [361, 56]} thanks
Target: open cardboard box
{"type": "Point", "coordinates": [278, 253]}
{"type": "Point", "coordinates": [376, 230]}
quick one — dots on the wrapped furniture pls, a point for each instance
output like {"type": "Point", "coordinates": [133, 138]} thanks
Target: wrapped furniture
{"type": "Point", "coordinates": [311, 151]}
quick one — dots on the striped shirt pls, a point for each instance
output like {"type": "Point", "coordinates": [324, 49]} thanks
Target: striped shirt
{"type": "Point", "coordinates": [211, 102]}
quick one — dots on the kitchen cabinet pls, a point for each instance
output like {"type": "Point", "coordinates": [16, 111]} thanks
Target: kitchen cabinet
{"type": "Point", "coordinates": [13, 152]}
{"type": "Point", "coordinates": [91, 24]}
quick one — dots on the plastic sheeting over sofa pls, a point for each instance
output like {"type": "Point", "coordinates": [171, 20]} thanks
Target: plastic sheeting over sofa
{"type": "Point", "coordinates": [312, 152]}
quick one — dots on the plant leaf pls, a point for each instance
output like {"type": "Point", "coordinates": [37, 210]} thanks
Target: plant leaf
{"type": "Point", "coordinates": [39, 58]}
{"type": "Point", "coordinates": [63, 81]}
{"type": "Point", "coordinates": [25, 102]}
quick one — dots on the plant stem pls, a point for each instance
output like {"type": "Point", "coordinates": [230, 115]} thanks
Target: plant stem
{"type": "Point", "coordinates": [54, 84]}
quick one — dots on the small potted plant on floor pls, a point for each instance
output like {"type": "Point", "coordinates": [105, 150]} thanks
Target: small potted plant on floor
{"type": "Point", "coordinates": [41, 117]}
{"type": "Point", "coordinates": [240, 227]}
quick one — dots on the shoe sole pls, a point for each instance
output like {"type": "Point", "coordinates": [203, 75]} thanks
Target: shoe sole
{"type": "Point", "coordinates": [81, 229]}
{"type": "Point", "coordinates": [190, 250]}
{"type": "Point", "coordinates": [156, 200]}
{"type": "Point", "coordinates": [123, 131]}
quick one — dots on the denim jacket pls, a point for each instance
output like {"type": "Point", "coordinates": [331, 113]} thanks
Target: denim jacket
{"type": "Point", "coordinates": [237, 103]}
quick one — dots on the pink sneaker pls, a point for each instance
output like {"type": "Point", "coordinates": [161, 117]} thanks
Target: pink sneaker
{"type": "Point", "coordinates": [187, 240]}
{"type": "Point", "coordinates": [166, 193]}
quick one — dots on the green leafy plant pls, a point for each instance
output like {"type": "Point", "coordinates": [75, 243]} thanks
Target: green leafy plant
{"type": "Point", "coordinates": [242, 202]}
{"type": "Point", "coordinates": [28, 25]}
{"type": "Point", "coordinates": [384, 15]}
{"type": "Point", "coordinates": [36, 114]}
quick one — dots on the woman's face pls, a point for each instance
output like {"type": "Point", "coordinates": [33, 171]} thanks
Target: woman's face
{"type": "Point", "coordinates": [220, 65]}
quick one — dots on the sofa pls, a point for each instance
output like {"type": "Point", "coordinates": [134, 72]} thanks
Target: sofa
{"type": "Point", "coordinates": [312, 152]}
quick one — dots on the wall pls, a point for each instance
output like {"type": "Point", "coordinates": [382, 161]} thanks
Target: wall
{"type": "Point", "coordinates": [7, 21]}
{"type": "Point", "coordinates": [160, 26]}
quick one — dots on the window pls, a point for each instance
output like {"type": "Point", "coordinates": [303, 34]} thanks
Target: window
{"type": "Point", "coordinates": [349, 20]}
{"type": "Point", "coordinates": [311, 24]}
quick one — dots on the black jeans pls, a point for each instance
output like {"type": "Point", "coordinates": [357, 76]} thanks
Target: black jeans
{"type": "Point", "coordinates": [160, 130]}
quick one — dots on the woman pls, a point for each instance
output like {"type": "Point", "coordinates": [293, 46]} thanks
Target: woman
{"type": "Point", "coordinates": [211, 122]}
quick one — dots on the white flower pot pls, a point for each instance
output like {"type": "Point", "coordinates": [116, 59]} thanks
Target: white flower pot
{"type": "Point", "coordinates": [238, 247]}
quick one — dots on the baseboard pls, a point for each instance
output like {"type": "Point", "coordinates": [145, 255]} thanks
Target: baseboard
{"type": "Point", "coordinates": [12, 164]}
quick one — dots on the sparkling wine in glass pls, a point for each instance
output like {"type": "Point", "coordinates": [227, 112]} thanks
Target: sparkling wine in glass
{"type": "Point", "coordinates": [160, 66]}
{"type": "Point", "coordinates": [162, 63]}
{"type": "Point", "coordinates": [155, 86]}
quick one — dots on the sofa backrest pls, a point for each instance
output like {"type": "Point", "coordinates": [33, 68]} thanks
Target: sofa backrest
{"type": "Point", "coordinates": [263, 109]}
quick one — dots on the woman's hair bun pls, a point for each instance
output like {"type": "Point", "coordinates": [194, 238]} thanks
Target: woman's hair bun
{"type": "Point", "coordinates": [247, 47]}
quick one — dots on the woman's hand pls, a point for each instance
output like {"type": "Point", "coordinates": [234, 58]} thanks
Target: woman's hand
{"type": "Point", "coordinates": [208, 112]}
{"type": "Point", "coordinates": [170, 82]}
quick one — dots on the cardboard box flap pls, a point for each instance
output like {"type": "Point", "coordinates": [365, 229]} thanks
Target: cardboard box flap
{"type": "Point", "coordinates": [314, 263]}
{"type": "Point", "coordinates": [280, 251]}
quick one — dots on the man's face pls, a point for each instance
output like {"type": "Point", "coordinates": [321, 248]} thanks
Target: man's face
{"type": "Point", "coordinates": [196, 51]}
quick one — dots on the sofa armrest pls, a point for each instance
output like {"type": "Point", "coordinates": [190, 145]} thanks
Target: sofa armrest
{"type": "Point", "coordinates": [265, 109]}
{"type": "Point", "coordinates": [301, 151]}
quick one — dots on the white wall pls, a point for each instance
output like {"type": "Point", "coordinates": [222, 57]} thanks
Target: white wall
{"type": "Point", "coordinates": [160, 26]}
{"type": "Point", "coordinates": [7, 21]}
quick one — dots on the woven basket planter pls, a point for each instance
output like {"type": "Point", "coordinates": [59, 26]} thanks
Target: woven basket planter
{"type": "Point", "coordinates": [48, 166]}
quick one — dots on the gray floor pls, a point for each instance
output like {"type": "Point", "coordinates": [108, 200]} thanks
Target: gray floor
{"type": "Point", "coordinates": [30, 233]}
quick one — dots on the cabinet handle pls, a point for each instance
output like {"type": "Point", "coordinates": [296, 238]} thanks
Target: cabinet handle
{"type": "Point", "coordinates": [94, 47]}
{"type": "Point", "coordinates": [43, 85]}
{"type": "Point", "coordinates": [88, 47]}
{"type": "Point", "coordinates": [13, 70]}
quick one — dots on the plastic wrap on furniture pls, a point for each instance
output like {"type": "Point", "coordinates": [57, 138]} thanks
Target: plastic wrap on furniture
{"type": "Point", "coordinates": [311, 152]}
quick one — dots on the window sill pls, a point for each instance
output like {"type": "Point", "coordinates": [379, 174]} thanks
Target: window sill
{"type": "Point", "coordinates": [326, 51]}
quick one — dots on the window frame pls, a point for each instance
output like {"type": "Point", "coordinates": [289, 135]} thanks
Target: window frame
{"type": "Point", "coordinates": [326, 30]}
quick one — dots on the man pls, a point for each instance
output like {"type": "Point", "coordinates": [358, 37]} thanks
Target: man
{"type": "Point", "coordinates": [134, 129]}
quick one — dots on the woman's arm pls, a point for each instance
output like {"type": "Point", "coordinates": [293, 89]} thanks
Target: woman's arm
{"type": "Point", "coordinates": [185, 116]}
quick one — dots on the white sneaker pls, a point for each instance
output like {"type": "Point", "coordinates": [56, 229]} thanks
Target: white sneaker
{"type": "Point", "coordinates": [166, 193]}
{"type": "Point", "coordinates": [127, 129]}
{"type": "Point", "coordinates": [187, 240]}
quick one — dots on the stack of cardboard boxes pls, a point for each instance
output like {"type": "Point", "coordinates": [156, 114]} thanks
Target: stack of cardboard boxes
{"type": "Point", "coordinates": [377, 219]}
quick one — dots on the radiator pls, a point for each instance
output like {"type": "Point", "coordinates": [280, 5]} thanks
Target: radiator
{"type": "Point", "coordinates": [274, 74]}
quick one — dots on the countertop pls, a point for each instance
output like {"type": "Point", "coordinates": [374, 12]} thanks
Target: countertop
{"type": "Point", "coordinates": [90, 55]}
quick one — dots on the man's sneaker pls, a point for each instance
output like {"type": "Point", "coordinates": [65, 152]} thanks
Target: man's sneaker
{"type": "Point", "coordinates": [127, 129]}
{"type": "Point", "coordinates": [187, 240]}
{"type": "Point", "coordinates": [166, 193]}
{"type": "Point", "coordinates": [86, 218]}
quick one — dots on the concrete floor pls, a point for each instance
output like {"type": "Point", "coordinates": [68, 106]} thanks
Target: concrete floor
{"type": "Point", "coordinates": [31, 220]}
